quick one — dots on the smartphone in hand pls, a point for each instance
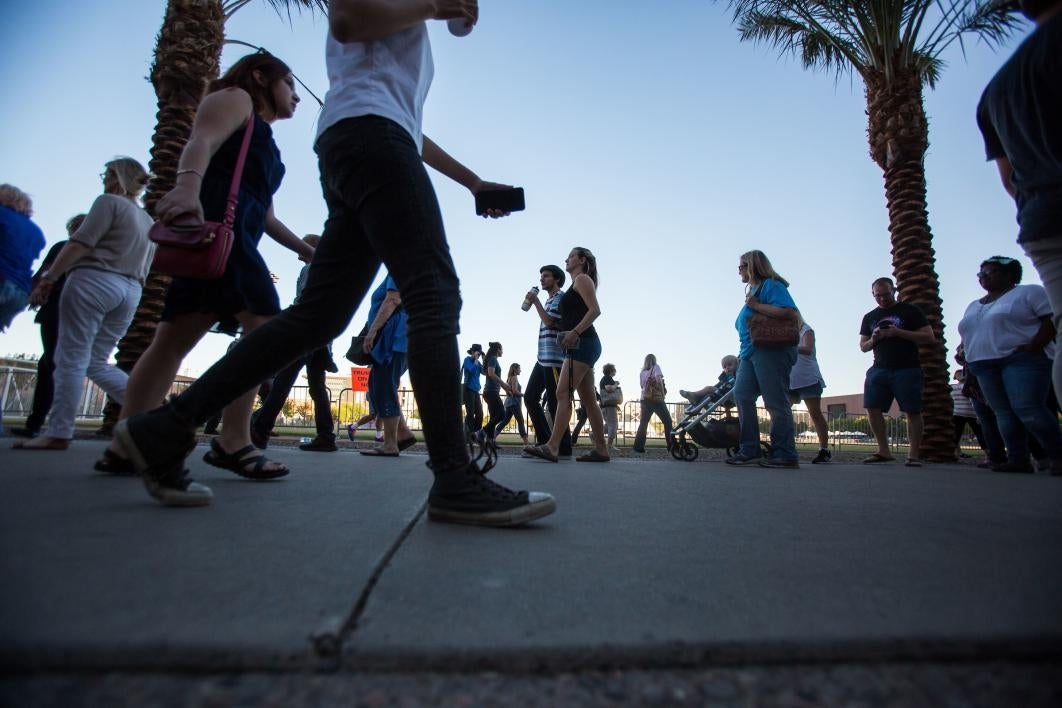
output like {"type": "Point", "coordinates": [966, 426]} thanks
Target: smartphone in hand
{"type": "Point", "coordinates": [500, 199]}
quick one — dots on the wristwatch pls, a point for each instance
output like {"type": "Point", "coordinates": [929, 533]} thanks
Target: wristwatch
{"type": "Point", "coordinates": [47, 277]}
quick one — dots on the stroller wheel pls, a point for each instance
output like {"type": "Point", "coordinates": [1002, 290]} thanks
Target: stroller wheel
{"type": "Point", "coordinates": [690, 452]}
{"type": "Point", "coordinates": [676, 449]}
{"type": "Point", "coordinates": [731, 451]}
{"type": "Point", "coordinates": [766, 447]}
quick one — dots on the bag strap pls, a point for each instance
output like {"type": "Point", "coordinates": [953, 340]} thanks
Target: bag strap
{"type": "Point", "coordinates": [237, 174]}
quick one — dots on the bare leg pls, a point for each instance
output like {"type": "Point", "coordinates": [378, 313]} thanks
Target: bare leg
{"type": "Point", "coordinates": [153, 374]}
{"type": "Point", "coordinates": [914, 432]}
{"type": "Point", "coordinates": [587, 391]}
{"type": "Point", "coordinates": [236, 417]}
{"type": "Point", "coordinates": [877, 426]}
{"type": "Point", "coordinates": [821, 428]}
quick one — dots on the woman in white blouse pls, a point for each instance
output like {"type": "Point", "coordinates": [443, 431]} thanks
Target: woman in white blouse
{"type": "Point", "coordinates": [1008, 340]}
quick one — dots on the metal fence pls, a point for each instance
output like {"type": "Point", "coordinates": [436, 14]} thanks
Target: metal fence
{"type": "Point", "coordinates": [17, 384]}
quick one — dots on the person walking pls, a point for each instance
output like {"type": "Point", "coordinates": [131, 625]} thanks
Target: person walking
{"type": "Point", "coordinates": [1020, 117]}
{"type": "Point", "coordinates": [256, 92]}
{"type": "Point", "coordinates": [493, 386]}
{"type": "Point", "coordinates": [382, 207]}
{"type": "Point", "coordinates": [472, 371]}
{"type": "Point", "coordinates": [513, 406]}
{"type": "Point", "coordinates": [806, 384]}
{"type": "Point", "coordinates": [317, 363]}
{"type": "Point", "coordinates": [610, 396]}
{"type": "Point", "coordinates": [893, 330]}
{"type": "Point", "coordinates": [385, 342]}
{"type": "Point", "coordinates": [764, 368]}
{"type": "Point", "coordinates": [105, 262]}
{"type": "Point", "coordinates": [48, 318]}
{"type": "Point", "coordinates": [1008, 344]}
{"type": "Point", "coordinates": [582, 347]}
{"type": "Point", "coordinates": [653, 402]}
{"type": "Point", "coordinates": [21, 241]}
{"type": "Point", "coordinates": [542, 383]}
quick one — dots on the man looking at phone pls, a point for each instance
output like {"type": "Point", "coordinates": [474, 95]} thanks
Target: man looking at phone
{"type": "Point", "coordinates": [546, 373]}
{"type": "Point", "coordinates": [893, 330]}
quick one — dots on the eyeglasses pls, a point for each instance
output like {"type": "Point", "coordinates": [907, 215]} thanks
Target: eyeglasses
{"type": "Point", "coordinates": [103, 175]}
{"type": "Point", "coordinates": [742, 266]}
{"type": "Point", "coordinates": [987, 273]}
{"type": "Point", "coordinates": [1001, 260]}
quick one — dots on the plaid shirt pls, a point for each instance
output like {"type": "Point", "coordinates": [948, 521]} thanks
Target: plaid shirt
{"type": "Point", "coordinates": [549, 352]}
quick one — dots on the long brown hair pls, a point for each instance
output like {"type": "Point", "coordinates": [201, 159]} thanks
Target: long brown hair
{"type": "Point", "coordinates": [591, 262]}
{"type": "Point", "coordinates": [241, 75]}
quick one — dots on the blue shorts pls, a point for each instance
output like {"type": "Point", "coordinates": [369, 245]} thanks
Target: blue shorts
{"type": "Point", "coordinates": [589, 351]}
{"type": "Point", "coordinates": [796, 395]}
{"type": "Point", "coordinates": [884, 385]}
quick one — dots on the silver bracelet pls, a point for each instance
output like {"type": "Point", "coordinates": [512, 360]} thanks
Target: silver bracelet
{"type": "Point", "coordinates": [187, 171]}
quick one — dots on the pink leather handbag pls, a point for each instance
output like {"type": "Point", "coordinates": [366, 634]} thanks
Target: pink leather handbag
{"type": "Point", "coordinates": [200, 251]}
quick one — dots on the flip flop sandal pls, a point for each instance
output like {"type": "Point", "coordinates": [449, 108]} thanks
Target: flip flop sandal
{"type": "Point", "coordinates": [238, 461]}
{"type": "Point", "coordinates": [377, 452]}
{"type": "Point", "coordinates": [52, 444]}
{"type": "Point", "coordinates": [407, 443]}
{"type": "Point", "coordinates": [592, 456]}
{"type": "Point", "coordinates": [541, 452]}
{"type": "Point", "coordinates": [115, 464]}
{"type": "Point", "coordinates": [877, 459]}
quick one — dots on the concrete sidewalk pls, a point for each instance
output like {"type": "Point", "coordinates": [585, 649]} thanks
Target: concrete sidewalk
{"type": "Point", "coordinates": [645, 563]}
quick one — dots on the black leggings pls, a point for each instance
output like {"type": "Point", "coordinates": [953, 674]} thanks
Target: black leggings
{"type": "Point", "coordinates": [473, 411]}
{"type": "Point", "coordinates": [496, 408]}
{"type": "Point", "coordinates": [381, 208]}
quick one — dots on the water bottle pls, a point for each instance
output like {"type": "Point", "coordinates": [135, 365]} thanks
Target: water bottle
{"type": "Point", "coordinates": [530, 296]}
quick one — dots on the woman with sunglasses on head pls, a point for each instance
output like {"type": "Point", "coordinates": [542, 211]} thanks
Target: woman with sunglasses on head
{"type": "Point", "coordinates": [582, 348]}
{"type": "Point", "coordinates": [1008, 343]}
{"type": "Point", "coordinates": [258, 88]}
{"type": "Point", "coordinates": [105, 262]}
{"type": "Point", "coordinates": [764, 370]}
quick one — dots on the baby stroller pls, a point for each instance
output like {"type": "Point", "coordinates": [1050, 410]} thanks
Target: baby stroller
{"type": "Point", "coordinates": [704, 424]}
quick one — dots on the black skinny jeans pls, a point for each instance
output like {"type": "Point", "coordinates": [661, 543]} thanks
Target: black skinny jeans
{"type": "Point", "coordinates": [496, 409]}
{"type": "Point", "coordinates": [381, 208]}
{"type": "Point", "coordinates": [543, 381]}
{"type": "Point", "coordinates": [473, 410]}
{"type": "Point", "coordinates": [266, 417]}
{"type": "Point", "coordinates": [45, 387]}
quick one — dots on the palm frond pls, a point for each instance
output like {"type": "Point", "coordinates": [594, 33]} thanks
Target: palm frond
{"type": "Point", "coordinates": [809, 32]}
{"type": "Point", "coordinates": [231, 6]}
{"type": "Point", "coordinates": [889, 36]}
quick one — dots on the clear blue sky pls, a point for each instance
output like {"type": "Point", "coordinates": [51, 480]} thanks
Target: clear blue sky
{"type": "Point", "coordinates": [645, 132]}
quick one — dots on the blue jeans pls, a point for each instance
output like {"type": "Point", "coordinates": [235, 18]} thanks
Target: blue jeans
{"type": "Point", "coordinates": [1016, 389]}
{"type": "Point", "coordinates": [13, 300]}
{"type": "Point", "coordinates": [766, 373]}
{"type": "Point", "coordinates": [381, 208]}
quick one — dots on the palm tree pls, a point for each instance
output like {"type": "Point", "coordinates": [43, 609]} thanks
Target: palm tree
{"type": "Point", "coordinates": [896, 47]}
{"type": "Point", "coordinates": [187, 59]}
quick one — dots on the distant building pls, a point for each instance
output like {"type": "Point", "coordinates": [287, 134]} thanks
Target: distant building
{"type": "Point", "coordinates": [850, 404]}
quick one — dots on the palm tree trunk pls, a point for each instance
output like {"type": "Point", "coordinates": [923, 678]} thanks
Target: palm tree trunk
{"type": "Point", "coordinates": [899, 138]}
{"type": "Point", "coordinates": [187, 58]}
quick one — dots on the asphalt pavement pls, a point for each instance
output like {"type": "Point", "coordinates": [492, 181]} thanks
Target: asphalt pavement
{"type": "Point", "coordinates": [646, 563]}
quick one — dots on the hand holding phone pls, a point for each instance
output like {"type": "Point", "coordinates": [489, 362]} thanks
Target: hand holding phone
{"type": "Point", "coordinates": [509, 199]}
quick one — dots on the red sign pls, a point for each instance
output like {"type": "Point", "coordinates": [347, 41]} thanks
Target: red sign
{"type": "Point", "coordinates": [359, 378]}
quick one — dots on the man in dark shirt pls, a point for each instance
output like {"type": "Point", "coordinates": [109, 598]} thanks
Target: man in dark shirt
{"type": "Point", "coordinates": [1020, 117]}
{"type": "Point", "coordinates": [893, 330]}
